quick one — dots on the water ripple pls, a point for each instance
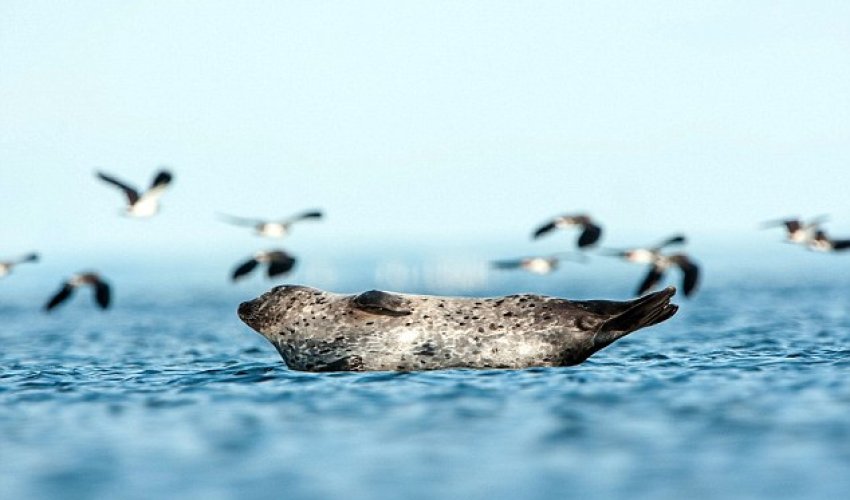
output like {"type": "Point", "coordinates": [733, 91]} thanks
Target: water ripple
{"type": "Point", "coordinates": [187, 402]}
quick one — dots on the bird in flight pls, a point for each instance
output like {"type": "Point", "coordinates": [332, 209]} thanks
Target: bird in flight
{"type": "Point", "coordinates": [141, 205]}
{"type": "Point", "coordinates": [272, 228]}
{"type": "Point", "coordinates": [659, 263]}
{"type": "Point", "coordinates": [279, 263]}
{"type": "Point", "coordinates": [6, 266]}
{"type": "Point", "coordinates": [102, 291]}
{"type": "Point", "coordinates": [797, 230]}
{"type": "Point", "coordinates": [645, 255]}
{"type": "Point", "coordinates": [538, 264]}
{"type": "Point", "coordinates": [689, 269]}
{"type": "Point", "coordinates": [590, 231]}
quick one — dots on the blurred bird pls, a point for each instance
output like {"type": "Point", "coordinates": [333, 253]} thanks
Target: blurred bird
{"type": "Point", "coordinates": [659, 263]}
{"type": "Point", "coordinates": [145, 204]}
{"type": "Point", "coordinates": [590, 231]}
{"type": "Point", "coordinates": [538, 264]}
{"type": "Point", "coordinates": [102, 291]}
{"type": "Point", "coordinates": [823, 243]}
{"type": "Point", "coordinates": [279, 263]}
{"type": "Point", "coordinates": [645, 255]}
{"type": "Point", "coordinates": [6, 266]}
{"type": "Point", "coordinates": [690, 273]}
{"type": "Point", "coordinates": [272, 229]}
{"type": "Point", "coordinates": [797, 231]}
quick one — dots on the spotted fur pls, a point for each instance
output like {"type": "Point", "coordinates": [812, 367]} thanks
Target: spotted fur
{"type": "Point", "coordinates": [320, 331]}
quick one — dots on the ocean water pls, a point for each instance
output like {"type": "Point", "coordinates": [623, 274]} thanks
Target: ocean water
{"type": "Point", "coordinates": [744, 394]}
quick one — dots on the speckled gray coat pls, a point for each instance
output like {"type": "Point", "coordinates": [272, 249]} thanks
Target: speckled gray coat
{"type": "Point", "coordinates": [320, 331]}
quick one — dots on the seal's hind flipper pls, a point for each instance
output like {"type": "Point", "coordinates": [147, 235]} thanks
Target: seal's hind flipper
{"type": "Point", "coordinates": [646, 311]}
{"type": "Point", "coordinates": [378, 302]}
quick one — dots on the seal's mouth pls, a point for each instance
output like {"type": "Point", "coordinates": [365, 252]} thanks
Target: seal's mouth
{"type": "Point", "coordinates": [246, 311]}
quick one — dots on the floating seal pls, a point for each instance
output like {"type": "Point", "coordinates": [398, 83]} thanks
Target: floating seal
{"type": "Point", "coordinates": [319, 331]}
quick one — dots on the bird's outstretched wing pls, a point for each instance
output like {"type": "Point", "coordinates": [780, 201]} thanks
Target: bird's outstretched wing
{"type": "Point", "coordinates": [163, 178]}
{"type": "Point", "coordinates": [544, 229]}
{"type": "Point", "coordinates": [678, 239]}
{"type": "Point", "coordinates": [30, 257]}
{"type": "Point", "coordinates": [590, 235]}
{"type": "Point", "coordinates": [815, 221]}
{"type": "Point", "coordinates": [310, 214]}
{"type": "Point", "coordinates": [652, 278]}
{"type": "Point", "coordinates": [130, 192]}
{"type": "Point", "coordinates": [839, 245]}
{"type": "Point", "coordinates": [59, 297]}
{"type": "Point", "coordinates": [102, 294]}
{"type": "Point", "coordinates": [506, 264]}
{"type": "Point", "coordinates": [160, 182]}
{"type": "Point", "coordinates": [244, 268]}
{"type": "Point", "coordinates": [570, 256]}
{"type": "Point", "coordinates": [690, 275]}
{"type": "Point", "coordinates": [280, 265]}
{"type": "Point", "coordinates": [240, 221]}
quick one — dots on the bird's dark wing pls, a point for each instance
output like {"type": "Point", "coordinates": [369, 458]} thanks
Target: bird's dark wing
{"type": "Point", "coordinates": [244, 268]}
{"type": "Point", "coordinates": [839, 245]}
{"type": "Point", "coordinates": [131, 193]}
{"type": "Point", "coordinates": [281, 265]}
{"type": "Point", "coordinates": [690, 274]}
{"type": "Point", "coordinates": [506, 264]}
{"type": "Point", "coordinates": [102, 294]}
{"type": "Point", "coordinates": [544, 229]}
{"type": "Point", "coordinates": [573, 256]}
{"type": "Point", "coordinates": [32, 257]}
{"type": "Point", "coordinates": [240, 221]}
{"type": "Point", "coordinates": [162, 179]}
{"type": "Point", "coordinates": [60, 296]}
{"type": "Point", "coordinates": [590, 235]}
{"type": "Point", "coordinates": [678, 239]}
{"type": "Point", "coordinates": [652, 278]}
{"type": "Point", "coordinates": [311, 214]}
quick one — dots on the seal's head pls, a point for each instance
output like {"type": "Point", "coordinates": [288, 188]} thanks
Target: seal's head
{"type": "Point", "coordinates": [273, 308]}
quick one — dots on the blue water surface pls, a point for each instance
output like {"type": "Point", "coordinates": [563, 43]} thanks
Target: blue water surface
{"type": "Point", "coordinates": [744, 394]}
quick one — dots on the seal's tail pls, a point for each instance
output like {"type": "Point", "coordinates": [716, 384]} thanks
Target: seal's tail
{"type": "Point", "coordinates": [646, 311]}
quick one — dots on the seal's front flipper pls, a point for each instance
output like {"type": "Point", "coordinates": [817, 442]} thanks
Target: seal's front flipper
{"type": "Point", "coordinates": [378, 302]}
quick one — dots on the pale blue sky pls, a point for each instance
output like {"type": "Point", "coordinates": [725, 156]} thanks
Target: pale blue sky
{"type": "Point", "coordinates": [420, 122]}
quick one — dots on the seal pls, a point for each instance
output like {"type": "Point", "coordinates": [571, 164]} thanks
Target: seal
{"type": "Point", "coordinates": [318, 331]}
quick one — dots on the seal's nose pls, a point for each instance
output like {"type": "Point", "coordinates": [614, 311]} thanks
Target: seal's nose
{"type": "Point", "coordinates": [246, 310]}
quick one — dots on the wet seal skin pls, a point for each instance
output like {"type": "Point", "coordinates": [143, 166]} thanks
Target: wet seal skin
{"type": "Point", "coordinates": [320, 331]}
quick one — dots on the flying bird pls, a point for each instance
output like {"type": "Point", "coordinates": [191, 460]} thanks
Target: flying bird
{"type": "Point", "coordinates": [590, 230]}
{"type": "Point", "coordinates": [797, 231]}
{"type": "Point", "coordinates": [659, 263]}
{"type": "Point", "coordinates": [278, 261]}
{"type": "Point", "coordinates": [102, 292]}
{"type": "Point", "coordinates": [823, 243]}
{"type": "Point", "coordinates": [272, 228]}
{"type": "Point", "coordinates": [537, 264]}
{"type": "Point", "coordinates": [690, 273]}
{"type": "Point", "coordinates": [145, 204]}
{"type": "Point", "coordinates": [646, 255]}
{"type": "Point", "coordinates": [6, 266]}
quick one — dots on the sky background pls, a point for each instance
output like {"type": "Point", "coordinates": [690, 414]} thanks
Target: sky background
{"type": "Point", "coordinates": [442, 125]}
